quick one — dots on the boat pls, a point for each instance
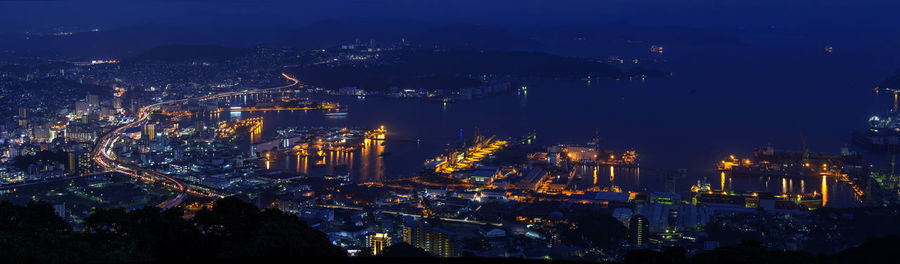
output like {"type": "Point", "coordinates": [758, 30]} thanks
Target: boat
{"type": "Point", "coordinates": [882, 134]}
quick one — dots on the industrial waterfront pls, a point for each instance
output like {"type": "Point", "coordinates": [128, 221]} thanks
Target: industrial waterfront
{"type": "Point", "coordinates": [421, 129]}
{"type": "Point", "coordinates": [652, 138]}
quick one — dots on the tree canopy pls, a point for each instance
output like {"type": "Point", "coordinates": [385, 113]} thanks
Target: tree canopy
{"type": "Point", "coordinates": [231, 229]}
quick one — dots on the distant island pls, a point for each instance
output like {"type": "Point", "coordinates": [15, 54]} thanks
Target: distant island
{"type": "Point", "coordinates": [472, 36]}
{"type": "Point", "coordinates": [450, 69]}
{"type": "Point", "coordinates": [405, 67]}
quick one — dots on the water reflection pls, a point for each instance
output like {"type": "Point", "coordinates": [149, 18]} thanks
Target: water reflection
{"type": "Point", "coordinates": [831, 190]}
{"type": "Point", "coordinates": [824, 190]}
{"type": "Point", "coordinates": [723, 181]}
{"type": "Point", "coordinates": [437, 125]}
{"type": "Point", "coordinates": [593, 178]}
{"type": "Point", "coordinates": [363, 165]}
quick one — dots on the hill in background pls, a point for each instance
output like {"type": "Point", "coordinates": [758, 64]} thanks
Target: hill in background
{"type": "Point", "coordinates": [180, 53]}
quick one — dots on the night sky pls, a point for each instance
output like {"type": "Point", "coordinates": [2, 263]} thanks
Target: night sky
{"type": "Point", "coordinates": [859, 15]}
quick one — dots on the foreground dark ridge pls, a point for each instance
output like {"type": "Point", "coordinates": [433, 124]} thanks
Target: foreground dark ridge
{"type": "Point", "coordinates": [236, 231]}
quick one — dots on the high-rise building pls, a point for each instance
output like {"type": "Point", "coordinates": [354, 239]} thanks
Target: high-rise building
{"type": "Point", "coordinates": [60, 210]}
{"type": "Point", "coordinates": [437, 241]}
{"type": "Point", "coordinates": [42, 133]}
{"type": "Point", "coordinates": [82, 108]}
{"type": "Point", "coordinates": [378, 242]}
{"type": "Point", "coordinates": [199, 126]}
{"type": "Point", "coordinates": [73, 163]}
{"type": "Point", "coordinates": [662, 213]}
{"type": "Point", "coordinates": [23, 112]}
{"type": "Point", "coordinates": [254, 154]}
{"type": "Point", "coordinates": [639, 229]}
{"type": "Point", "coordinates": [441, 242]}
{"type": "Point", "coordinates": [93, 101]}
{"type": "Point", "coordinates": [80, 133]}
{"type": "Point", "coordinates": [414, 233]}
{"type": "Point", "coordinates": [85, 163]}
{"type": "Point", "coordinates": [178, 153]}
{"type": "Point", "coordinates": [149, 131]}
{"type": "Point", "coordinates": [133, 106]}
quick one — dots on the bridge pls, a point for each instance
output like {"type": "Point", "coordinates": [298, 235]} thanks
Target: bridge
{"type": "Point", "coordinates": [265, 109]}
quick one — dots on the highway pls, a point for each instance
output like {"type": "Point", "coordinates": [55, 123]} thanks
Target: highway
{"type": "Point", "coordinates": [466, 221]}
{"type": "Point", "coordinates": [104, 149]}
{"type": "Point", "coordinates": [65, 178]}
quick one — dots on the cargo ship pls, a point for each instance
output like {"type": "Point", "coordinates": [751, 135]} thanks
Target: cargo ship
{"type": "Point", "coordinates": [882, 134]}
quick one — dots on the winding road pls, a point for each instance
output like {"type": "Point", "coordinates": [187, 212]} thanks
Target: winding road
{"type": "Point", "coordinates": [103, 151]}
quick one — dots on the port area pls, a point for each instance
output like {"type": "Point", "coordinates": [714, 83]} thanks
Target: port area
{"type": "Point", "coordinates": [225, 129]}
{"type": "Point", "coordinates": [561, 169]}
{"type": "Point", "coordinates": [703, 194]}
{"type": "Point", "coordinates": [315, 141]}
{"type": "Point", "coordinates": [846, 167]}
{"type": "Point", "coordinates": [464, 156]}
{"type": "Point", "coordinates": [283, 104]}
{"type": "Point", "coordinates": [593, 156]}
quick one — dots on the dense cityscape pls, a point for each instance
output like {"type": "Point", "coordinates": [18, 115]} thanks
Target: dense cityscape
{"type": "Point", "coordinates": [457, 141]}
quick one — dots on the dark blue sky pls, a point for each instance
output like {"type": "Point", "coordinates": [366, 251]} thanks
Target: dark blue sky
{"type": "Point", "coordinates": [23, 15]}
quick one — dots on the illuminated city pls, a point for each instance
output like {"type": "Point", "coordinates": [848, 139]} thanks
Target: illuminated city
{"type": "Point", "coordinates": [459, 131]}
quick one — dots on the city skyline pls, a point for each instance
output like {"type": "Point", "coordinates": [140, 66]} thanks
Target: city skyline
{"type": "Point", "coordinates": [617, 131]}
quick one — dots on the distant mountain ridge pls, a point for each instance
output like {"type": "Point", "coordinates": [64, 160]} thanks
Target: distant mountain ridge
{"type": "Point", "coordinates": [448, 69]}
{"type": "Point", "coordinates": [472, 36]}
{"type": "Point", "coordinates": [328, 33]}
{"type": "Point", "coordinates": [891, 82]}
{"type": "Point", "coordinates": [132, 40]}
{"type": "Point", "coordinates": [181, 53]}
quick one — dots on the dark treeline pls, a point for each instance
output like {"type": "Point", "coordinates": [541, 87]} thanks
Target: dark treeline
{"type": "Point", "coordinates": [873, 250]}
{"type": "Point", "coordinates": [752, 252]}
{"type": "Point", "coordinates": [234, 230]}
{"type": "Point", "coordinates": [230, 230]}
{"type": "Point", "coordinates": [22, 162]}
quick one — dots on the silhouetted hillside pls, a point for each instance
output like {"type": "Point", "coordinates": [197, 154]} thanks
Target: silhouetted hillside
{"type": "Point", "coordinates": [132, 40]}
{"type": "Point", "coordinates": [470, 36]}
{"type": "Point", "coordinates": [234, 230]}
{"type": "Point", "coordinates": [446, 69]}
{"type": "Point", "coordinates": [534, 64]}
{"type": "Point", "coordinates": [58, 85]}
{"type": "Point", "coordinates": [230, 230]}
{"type": "Point", "coordinates": [328, 33]}
{"type": "Point", "coordinates": [22, 70]}
{"type": "Point", "coordinates": [180, 53]}
{"type": "Point", "coordinates": [891, 82]}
